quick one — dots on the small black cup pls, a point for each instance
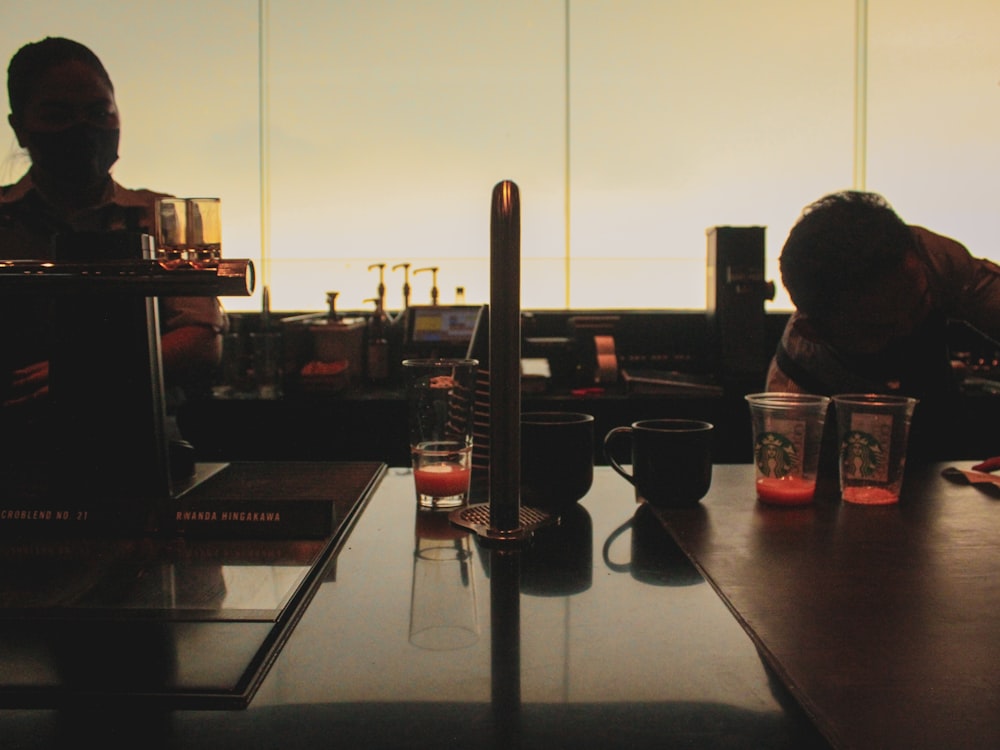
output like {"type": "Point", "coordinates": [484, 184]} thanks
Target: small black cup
{"type": "Point", "coordinates": [557, 458]}
{"type": "Point", "coordinates": [671, 460]}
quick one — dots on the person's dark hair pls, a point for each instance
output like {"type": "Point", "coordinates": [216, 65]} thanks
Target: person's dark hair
{"type": "Point", "coordinates": [35, 59]}
{"type": "Point", "coordinates": [844, 240]}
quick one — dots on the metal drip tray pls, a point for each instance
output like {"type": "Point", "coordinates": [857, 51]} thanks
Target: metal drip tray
{"type": "Point", "coordinates": [477, 518]}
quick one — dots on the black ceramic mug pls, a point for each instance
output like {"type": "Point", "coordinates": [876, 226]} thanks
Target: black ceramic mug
{"type": "Point", "coordinates": [557, 458]}
{"type": "Point", "coordinates": [671, 460]}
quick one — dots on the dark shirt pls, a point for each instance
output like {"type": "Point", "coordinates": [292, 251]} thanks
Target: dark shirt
{"type": "Point", "coordinates": [29, 227]}
{"type": "Point", "coordinates": [962, 288]}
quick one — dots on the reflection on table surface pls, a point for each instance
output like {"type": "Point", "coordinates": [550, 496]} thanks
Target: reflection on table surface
{"type": "Point", "coordinates": [106, 622]}
{"type": "Point", "coordinates": [598, 634]}
{"type": "Point", "coordinates": [214, 579]}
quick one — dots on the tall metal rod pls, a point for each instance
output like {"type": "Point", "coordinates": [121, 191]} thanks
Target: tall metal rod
{"type": "Point", "coordinates": [505, 357]}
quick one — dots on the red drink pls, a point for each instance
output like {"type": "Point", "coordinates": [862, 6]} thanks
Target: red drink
{"type": "Point", "coordinates": [869, 495]}
{"type": "Point", "coordinates": [786, 491]}
{"type": "Point", "coordinates": [442, 480]}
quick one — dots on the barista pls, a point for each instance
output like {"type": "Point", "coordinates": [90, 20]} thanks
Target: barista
{"type": "Point", "coordinates": [64, 114]}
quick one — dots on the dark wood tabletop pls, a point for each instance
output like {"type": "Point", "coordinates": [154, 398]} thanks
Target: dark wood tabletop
{"type": "Point", "coordinates": [883, 621]}
{"type": "Point", "coordinates": [862, 627]}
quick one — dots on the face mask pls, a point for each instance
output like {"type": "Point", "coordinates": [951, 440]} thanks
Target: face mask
{"type": "Point", "coordinates": [78, 157]}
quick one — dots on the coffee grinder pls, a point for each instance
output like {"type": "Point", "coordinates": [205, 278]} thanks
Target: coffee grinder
{"type": "Point", "coordinates": [736, 293]}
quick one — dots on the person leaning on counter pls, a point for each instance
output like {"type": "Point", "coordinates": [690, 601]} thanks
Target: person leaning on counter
{"type": "Point", "coordinates": [873, 297]}
{"type": "Point", "coordinates": [63, 112]}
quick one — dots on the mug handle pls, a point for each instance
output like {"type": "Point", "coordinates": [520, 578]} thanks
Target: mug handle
{"type": "Point", "coordinates": [606, 550]}
{"type": "Point", "coordinates": [614, 435]}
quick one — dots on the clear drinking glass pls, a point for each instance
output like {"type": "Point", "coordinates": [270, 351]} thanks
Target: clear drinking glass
{"type": "Point", "coordinates": [441, 395]}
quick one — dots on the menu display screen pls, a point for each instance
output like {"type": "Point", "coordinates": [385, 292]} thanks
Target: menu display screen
{"type": "Point", "coordinates": [442, 324]}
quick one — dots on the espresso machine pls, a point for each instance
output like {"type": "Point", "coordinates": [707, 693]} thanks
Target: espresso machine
{"type": "Point", "coordinates": [106, 420]}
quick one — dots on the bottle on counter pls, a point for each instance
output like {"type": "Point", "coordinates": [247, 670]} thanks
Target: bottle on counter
{"type": "Point", "coordinates": [377, 346]}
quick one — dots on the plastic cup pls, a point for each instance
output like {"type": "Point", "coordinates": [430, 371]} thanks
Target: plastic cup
{"type": "Point", "coordinates": [872, 431]}
{"type": "Point", "coordinates": [787, 436]}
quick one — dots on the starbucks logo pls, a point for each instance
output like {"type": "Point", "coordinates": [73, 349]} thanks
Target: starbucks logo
{"type": "Point", "coordinates": [775, 455]}
{"type": "Point", "coordinates": [861, 455]}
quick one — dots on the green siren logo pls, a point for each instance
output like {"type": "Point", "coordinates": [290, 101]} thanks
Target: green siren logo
{"type": "Point", "coordinates": [861, 454]}
{"type": "Point", "coordinates": [775, 455]}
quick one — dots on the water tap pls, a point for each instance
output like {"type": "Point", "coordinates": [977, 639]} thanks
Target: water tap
{"type": "Point", "coordinates": [434, 282]}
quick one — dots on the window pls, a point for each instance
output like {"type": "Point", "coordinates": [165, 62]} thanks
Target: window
{"type": "Point", "coordinates": [378, 130]}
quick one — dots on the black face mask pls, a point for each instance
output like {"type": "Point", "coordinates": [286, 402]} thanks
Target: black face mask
{"type": "Point", "coordinates": [77, 157]}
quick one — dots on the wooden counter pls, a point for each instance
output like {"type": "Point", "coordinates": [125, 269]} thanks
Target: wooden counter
{"type": "Point", "coordinates": [830, 625]}
{"type": "Point", "coordinates": [883, 621]}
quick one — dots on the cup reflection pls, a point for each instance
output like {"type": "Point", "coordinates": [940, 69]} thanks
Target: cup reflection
{"type": "Point", "coordinates": [444, 613]}
{"type": "Point", "coordinates": [559, 561]}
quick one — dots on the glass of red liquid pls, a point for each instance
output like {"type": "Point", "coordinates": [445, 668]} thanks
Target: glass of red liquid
{"type": "Point", "coordinates": [441, 395]}
{"type": "Point", "coordinates": [787, 436]}
{"type": "Point", "coordinates": [441, 473]}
